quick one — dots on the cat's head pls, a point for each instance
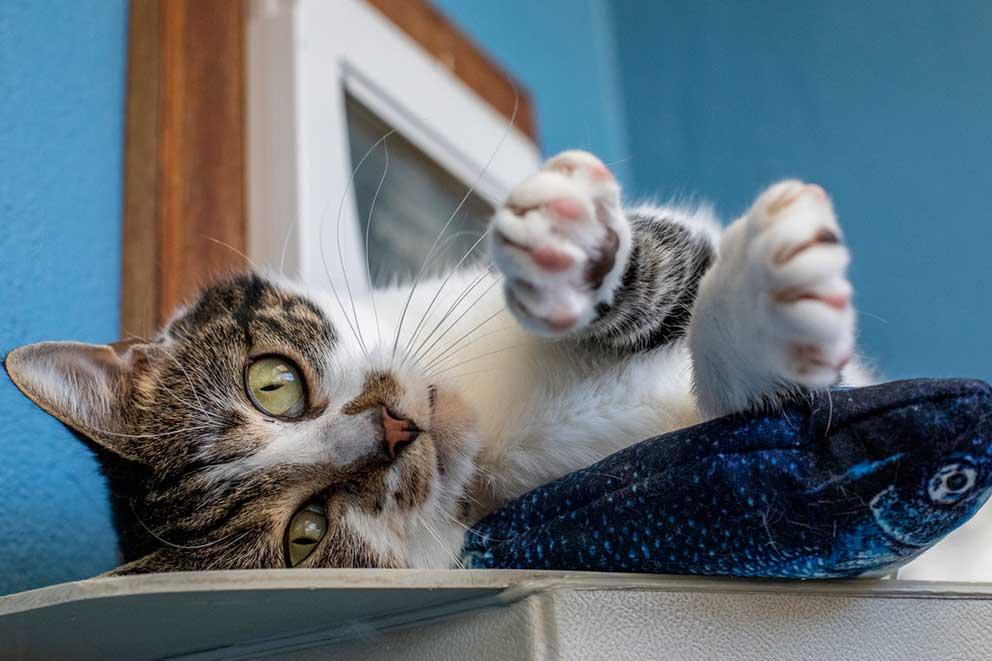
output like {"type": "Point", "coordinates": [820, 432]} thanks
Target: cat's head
{"type": "Point", "coordinates": [254, 431]}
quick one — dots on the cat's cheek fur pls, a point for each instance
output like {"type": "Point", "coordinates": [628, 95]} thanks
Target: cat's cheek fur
{"type": "Point", "coordinates": [454, 429]}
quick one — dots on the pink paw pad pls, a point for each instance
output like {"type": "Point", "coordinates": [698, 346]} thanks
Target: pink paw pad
{"type": "Point", "coordinates": [842, 363]}
{"type": "Point", "coordinates": [600, 172]}
{"type": "Point", "coordinates": [561, 324]}
{"type": "Point", "coordinates": [810, 358]}
{"type": "Point", "coordinates": [838, 301]}
{"type": "Point", "coordinates": [566, 208]}
{"type": "Point", "coordinates": [550, 259]}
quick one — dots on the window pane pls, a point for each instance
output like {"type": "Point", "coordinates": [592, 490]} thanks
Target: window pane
{"type": "Point", "coordinates": [416, 199]}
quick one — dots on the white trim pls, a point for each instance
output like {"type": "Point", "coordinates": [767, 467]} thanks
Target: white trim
{"type": "Point", "coordinates": [302, 56]}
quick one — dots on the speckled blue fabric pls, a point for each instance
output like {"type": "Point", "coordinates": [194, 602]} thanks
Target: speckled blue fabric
{"type": "Point", "coordinates": [857, 482]}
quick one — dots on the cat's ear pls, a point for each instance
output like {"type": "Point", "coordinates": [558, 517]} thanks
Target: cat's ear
{"type": "Point", "coordinates": [83, 385]}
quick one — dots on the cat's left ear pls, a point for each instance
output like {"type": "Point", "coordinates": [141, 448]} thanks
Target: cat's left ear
{"type": "Point", "coordinates": [83, 385]}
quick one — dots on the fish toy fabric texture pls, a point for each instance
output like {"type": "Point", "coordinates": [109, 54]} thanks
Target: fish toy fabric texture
{"type": "Point", "coordinates": [852, 482]}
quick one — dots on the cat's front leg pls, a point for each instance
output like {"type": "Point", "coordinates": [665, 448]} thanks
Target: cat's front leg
{"type": "Point", "coordinates": [774, 314]}
{"type": "Point", "coordinates": [578, 266]}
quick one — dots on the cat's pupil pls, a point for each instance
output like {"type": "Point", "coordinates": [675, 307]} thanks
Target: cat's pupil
{"type": "Point", "coordinates": [302, 540]}
{"type": "Point", "coordinates": [271, 387]}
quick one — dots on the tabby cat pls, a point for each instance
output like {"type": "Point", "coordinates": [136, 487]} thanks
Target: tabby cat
{"type": "Point", "coordinates": [269, 425]}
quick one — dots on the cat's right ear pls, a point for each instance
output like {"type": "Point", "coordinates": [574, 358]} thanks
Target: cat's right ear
{"type": "Point", "coordinates": [83, 385]}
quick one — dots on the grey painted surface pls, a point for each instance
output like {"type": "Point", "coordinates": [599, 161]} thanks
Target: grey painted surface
{"type": "Point", "coordinates": [383, 614]}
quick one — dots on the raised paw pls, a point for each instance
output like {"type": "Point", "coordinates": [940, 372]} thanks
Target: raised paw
{"type": "Point", "coordinates": [796, 263]}
{"type": "Point", "coordinates": [561, 241]}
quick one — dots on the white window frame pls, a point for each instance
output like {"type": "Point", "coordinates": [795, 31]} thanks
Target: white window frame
{"type": "Point", "coordinates": [303, 56]}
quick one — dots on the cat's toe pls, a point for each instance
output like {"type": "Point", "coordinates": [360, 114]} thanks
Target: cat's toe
{"type": "Point", "coordinates": [787, 198]}
{"type": "Point", "coordinates": [817, 366]}
{"type": "Point", "coordinates": [580, 163]}
{"type": "Point", "coordinates": [545, 312]}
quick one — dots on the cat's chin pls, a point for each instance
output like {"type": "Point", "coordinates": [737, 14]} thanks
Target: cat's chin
{"type": "Point", "coordinates": [452, 508]}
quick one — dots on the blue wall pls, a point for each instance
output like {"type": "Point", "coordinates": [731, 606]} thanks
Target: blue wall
{"type": "Point", "coordinates": [887, 104]}
{"type": "Point", "coordinates": [563, 51]}
{"type": "Point", "coordinates": [62, 68]}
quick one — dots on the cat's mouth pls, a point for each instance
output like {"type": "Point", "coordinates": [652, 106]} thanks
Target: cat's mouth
{"type": "Point", "coordinates": [451, 425]}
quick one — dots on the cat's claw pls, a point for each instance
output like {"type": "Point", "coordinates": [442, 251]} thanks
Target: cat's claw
{"type": "Point", "coordinates": [561, 241]}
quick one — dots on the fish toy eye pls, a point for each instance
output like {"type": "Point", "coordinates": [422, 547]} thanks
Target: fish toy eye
{"type": "Point", "coordinates": [952, 483]}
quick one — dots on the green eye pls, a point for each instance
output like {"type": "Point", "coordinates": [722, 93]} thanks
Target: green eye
{"type": "Point", "coordinates": [276, 387]}
{"type": "Point", "coordinates": [304, 533]}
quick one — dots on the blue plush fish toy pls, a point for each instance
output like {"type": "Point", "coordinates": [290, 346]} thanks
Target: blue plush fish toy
{"type": "Point", "coordinates": [856, 481]}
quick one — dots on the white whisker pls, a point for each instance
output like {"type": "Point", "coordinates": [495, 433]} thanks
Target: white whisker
{"type": "Point", "coordinates": [450, 275]}
{"type": "Point", "coordinates": [478, 338]}
{"type": "Point", "coordinates": [451, 309]}
{"type": "Point", "coordinates": [232, 249]}
{"type": "Point", "coordinates": [416, 281]}
{"type": "Point", "coordinates": [444, 547]}
{"type": "Point", "coordinates": [323, 256]}
{"type": "Point", "coordinates": [444, 246]}
{"type": "Point", "coordinates": [368, 228]}
{"type": "Point", "coordinates": [160, 435]}
{"type": "Point", "coordinates": [479, 357]}
{"type": "Point", "coordinates": [181, 546]}
{"type": "Point", "coordinates": [450, 347]}
{"type": "Point", "coordinates": [285, 247]}
{"type": "Point", "coordinates": [199, 404]}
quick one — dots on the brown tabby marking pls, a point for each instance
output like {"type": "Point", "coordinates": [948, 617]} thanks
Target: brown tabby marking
{"type": "Point", "coordinates": [179, 435]}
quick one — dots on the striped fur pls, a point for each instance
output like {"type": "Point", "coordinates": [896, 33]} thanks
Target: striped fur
{"type": "Point", "coordinates": [654, 304]}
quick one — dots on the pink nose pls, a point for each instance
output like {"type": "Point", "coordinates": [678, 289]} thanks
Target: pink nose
{"type": "Point", "coordinates": [397, 433]}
